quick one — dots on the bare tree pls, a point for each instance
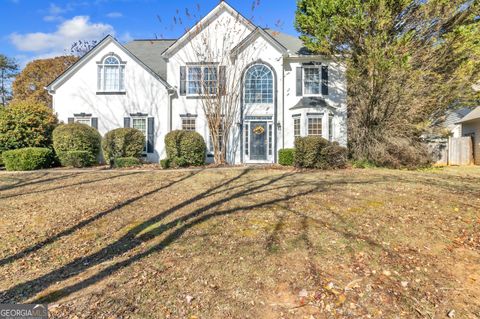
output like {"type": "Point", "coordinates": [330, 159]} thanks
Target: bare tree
{"type": "Point", "coordinates": [220, 63]}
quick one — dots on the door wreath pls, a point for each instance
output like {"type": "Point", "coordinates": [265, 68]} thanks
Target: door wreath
{"type": "Point", "coordinates": [259, 130]}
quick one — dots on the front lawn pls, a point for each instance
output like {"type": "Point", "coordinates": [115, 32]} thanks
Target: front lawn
{"type": "Point", "coordinates": [243, 243]}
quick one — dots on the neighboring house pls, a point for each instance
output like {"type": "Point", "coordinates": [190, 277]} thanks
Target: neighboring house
{"type": "Point", "coordinates": [452, 119]}
{"type": "Point", "coordinates": [471, 127]}
{"type": "Point", "coordinates": [152, 85]}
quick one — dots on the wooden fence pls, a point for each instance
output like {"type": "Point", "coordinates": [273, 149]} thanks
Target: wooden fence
{"type": "Point", "coordinates": [460, 151]}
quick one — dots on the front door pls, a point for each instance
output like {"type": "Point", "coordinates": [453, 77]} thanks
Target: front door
{"type": "Point", "coordinates": [258, 141]}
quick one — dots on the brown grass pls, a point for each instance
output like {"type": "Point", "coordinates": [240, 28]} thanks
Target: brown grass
{"type": "Point", "coordinates": [243, 243]}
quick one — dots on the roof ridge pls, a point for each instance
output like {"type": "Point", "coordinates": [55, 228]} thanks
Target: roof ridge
{"type": "Point", "coordinates": [154, 40]}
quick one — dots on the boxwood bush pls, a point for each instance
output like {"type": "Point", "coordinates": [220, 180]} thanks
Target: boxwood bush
{"type": "Point", "coordinates": [76, 137]}
{"type": "Point", "coordinates": [286, 156]}
{"type": "Point", "coordinates": [123, 142]}
{"type": "Point", "coordinates": [27, 159]}
{"type": "Point", "coordinates": [317, 152]}
{"type": "Point", "coordinates": [127, 162]}
{"type": "Point", "coordinates": [185, 148]}
{"type": "Point", "coordinates": [76, 158]}
{"type": "Point", "coordinates": [165, 163]}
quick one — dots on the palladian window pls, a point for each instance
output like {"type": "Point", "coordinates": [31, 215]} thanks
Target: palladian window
{"type": "Point", "coordinates": [259, 85]}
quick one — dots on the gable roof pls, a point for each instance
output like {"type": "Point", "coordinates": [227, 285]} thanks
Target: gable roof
{"type": "Point", "coordinates": [453, 116]}
{"type": "Point", "coordinates": [204, 22]}
{"type": "Point", "coordinates": [293, 44]}
{"type": "Point", "coordinates": [473, 115]}
{"type": "Point", "coordinates": [150, 53]}
{"type": "Point", "coordinates": [252, 36]}
{"type": "Point", "coordinates": [90, 54]}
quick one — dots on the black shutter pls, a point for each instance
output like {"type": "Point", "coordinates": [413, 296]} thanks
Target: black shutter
{"type": "Point", "coordinates": [222, 79]}
{"type": "Point", "coordinates": [324, 80]}
{"type": "Point", "coordinates": [126, 122]}
{"type": "Point", "coordinates": [299, 81]}
{"type": "Point", "coordinates": [95, 122]}
{"type": "Point", "coordinates": [71, 120]}
{"type": "Point", "coordinates": [183, 80]}
{"type": "Point", "coordinates": [150, 135]}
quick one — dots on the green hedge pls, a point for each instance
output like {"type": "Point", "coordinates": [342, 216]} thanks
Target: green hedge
{"type": "Point", "coordinates": [317, 152]}
{"type": "Point", "coordinates": [76, 158]}
{"type": "Point", "coordinates": [286, 156]}
{"type": "Point", "coordinates": [185, 148]}
{"type": "Point", "coordinates": [76, 137]}
{"type": "Point", "coordinates": [28, 159]}
{"type": "Point", "coordinates": [127, 162]}
{"type": "Point", "coordinates": [165, 163]}
{"type": "Point", "coordinates": [123, 142]}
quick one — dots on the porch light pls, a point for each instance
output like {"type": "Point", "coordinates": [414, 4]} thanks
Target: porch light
{"type": "Point", "coordinates": [279, 126]}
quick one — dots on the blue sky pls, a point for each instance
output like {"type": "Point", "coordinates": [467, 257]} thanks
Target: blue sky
{"type": "Point", "coordinates": [32, 29]}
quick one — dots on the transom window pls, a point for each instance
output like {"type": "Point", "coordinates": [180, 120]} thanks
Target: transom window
{"type": "Point", "coordinates": [202, 80]}
{"type": "Point", "coordinates": [315, 125]}
{"type": "Point", "coordinates": [111, 74]}
{"type": "Point", "coordinates": [188, 124]}
{"type": "Point", "coordinates": [140, 123]}
{"type": "Point", "coordinates": [259, 85]}
{"type": "Point", "coordinates": [312, 80]}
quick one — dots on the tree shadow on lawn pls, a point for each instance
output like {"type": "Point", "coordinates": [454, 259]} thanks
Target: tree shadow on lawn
{"type": "Point", "coordinates": [136, 236]}
{"type": "Point", "coordinates": [87, 221]}
{"type": "Point", "coordinates": [36, 180]}
{"type": "Point", "coordinates": [86, 182]}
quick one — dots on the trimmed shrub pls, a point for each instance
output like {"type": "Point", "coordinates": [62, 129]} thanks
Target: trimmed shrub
{"type": "Point", "coordinates": [317, 152]}
{"type": "Point", "coordinates": [76, 137]}
{"type": "Point", "coordinates": [165, 163]}
{"type": "Point", "coordinates": [286, 156]}
{"type": "Point", "coordinates": [26, 124]}
{"type": "Point", "coordinates": [123, 142]}
{"type": "Point", "coordinates": [76, 159]}
{"type": "Point", "coordinates": [27, 159]}
{"type": "Point", "coordinates": [127, 162]}
{"type": "Point", "coordinates": [185, 148]}
{"type": "Point", "coordinates": [335, 156]}
{"type": "Point", "coordinates": [308, 151]}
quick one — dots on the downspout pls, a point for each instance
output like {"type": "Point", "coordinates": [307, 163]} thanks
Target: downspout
{"type": "Point", "coordinates": [171, 93]}
{"type": "Point", "coordinates": [283, 103]}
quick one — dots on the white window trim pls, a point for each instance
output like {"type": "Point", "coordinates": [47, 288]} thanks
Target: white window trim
{"type": "Point", "coordinates": [202, 67]}
{"type": "Point", "coordinates": [145, 118]}
{"type": "Point", "coordinates": [319, 68]}
{"type": "Point", "coordinates": [194, 118]}
{"type": "Point", "coordinates": [318, 116]}
{"type": "Point", "coordinates": [299, 118]}
{"type": "Point", "coordinates": [121, 68]}
{"type": "Point", "coordinates": [245, 91]}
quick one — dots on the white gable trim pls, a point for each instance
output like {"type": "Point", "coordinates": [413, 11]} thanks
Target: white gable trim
{"type": "Point", "coordinates": [204, 22]}
{"type": "Point", "coordinates": [88, 56]}
{"type": "Point", "coordinates": [255, 34]}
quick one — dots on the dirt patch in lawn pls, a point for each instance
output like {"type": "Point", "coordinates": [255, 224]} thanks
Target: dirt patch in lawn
{"type": "Point", "coordinates": [243, 243]}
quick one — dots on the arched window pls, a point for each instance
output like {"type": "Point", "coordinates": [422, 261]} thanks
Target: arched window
{"type": "Point", "coordinates": [111, 75]}
{"type": "Point", "coordinates": [259, 84]}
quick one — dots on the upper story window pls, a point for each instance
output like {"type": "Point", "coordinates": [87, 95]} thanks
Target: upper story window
{"type": "Point", "coordinates": [259, 84]}
{"type": "Point", "coordinates": [202, 80]}
{"type": "Point", "coordinates": [111, 75]}
{"type": "Point", "coordinates": [312, 80]}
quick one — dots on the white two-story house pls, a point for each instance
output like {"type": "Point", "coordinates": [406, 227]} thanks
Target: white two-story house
{"type": "Point", "coordinates": [155, 86]}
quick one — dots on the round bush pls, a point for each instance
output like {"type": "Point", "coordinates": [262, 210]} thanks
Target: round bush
{"type": "Point", "coordinates": [308, 151]}
{"type": "Point", "coordinates": [76, 137]}
{"type": "Point", "coordinates": [76, 158]}
{"type": "Point", "coordinates": [286, 156]}
{"type": "Point", "coordinates": [26, 124]}
{"type": "Point", "coordinates": [123, 142]}
{"type": "Point", "coordinates": [185, 148]}
{"type": "Point", "coordinates": [127, 162]}
{"type": "Point", "coordinates": [28, 159]}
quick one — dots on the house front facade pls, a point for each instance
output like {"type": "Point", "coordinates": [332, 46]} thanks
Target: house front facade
{"type": "Point", "coordinates": [276, 88]}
